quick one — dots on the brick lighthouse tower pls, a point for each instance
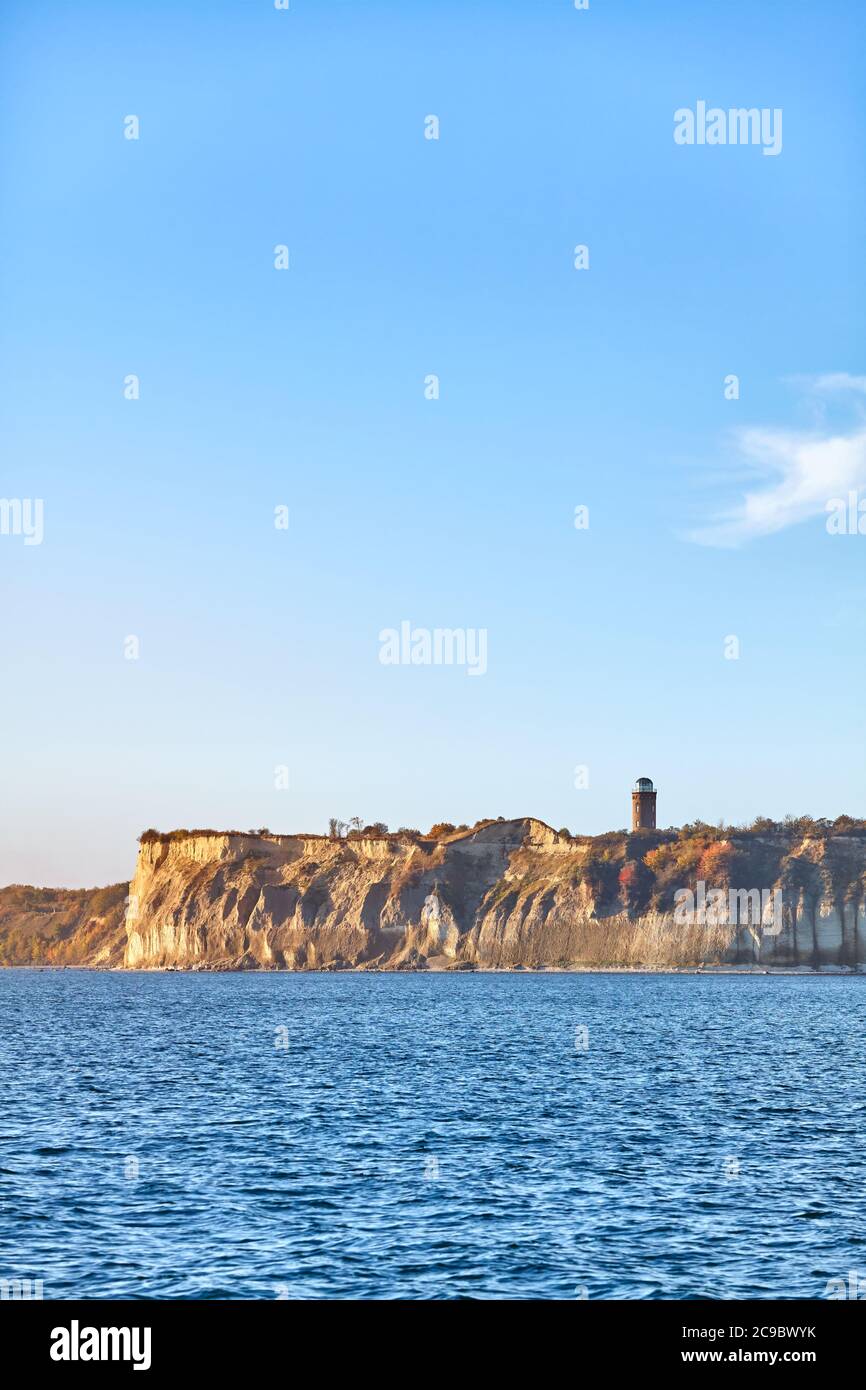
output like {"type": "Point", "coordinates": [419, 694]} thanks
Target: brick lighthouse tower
{"type": "Point", "coordinates": [643, 805]}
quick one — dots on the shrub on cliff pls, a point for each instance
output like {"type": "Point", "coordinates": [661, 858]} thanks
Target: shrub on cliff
{"type": "Point", "coordinates": [701, 830]}
{"type": "Point", "coordinates": [715, 864]}
{"type": "Point", "coordinates": [149, 837]}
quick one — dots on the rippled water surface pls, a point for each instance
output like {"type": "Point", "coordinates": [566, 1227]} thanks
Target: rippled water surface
{"type": "Point", "coordinates": [263, 1136]}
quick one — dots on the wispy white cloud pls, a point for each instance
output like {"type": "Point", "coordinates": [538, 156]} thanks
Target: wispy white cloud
{"type": "Point", "coordinates": [838, 381]}
{"type": "Point", "coordinates": [799, 473]}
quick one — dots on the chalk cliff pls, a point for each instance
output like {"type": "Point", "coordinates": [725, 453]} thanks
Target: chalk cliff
{"type": "Point", "coordinates": [504, 895]}
{"type": "Point", "coordinates": [507, 894]}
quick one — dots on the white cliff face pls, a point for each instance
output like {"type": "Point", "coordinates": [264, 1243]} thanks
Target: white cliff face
{"type": "Point", "coordinates": [442, 932]}
{"type": "Point", "coordinates": [510, 894]}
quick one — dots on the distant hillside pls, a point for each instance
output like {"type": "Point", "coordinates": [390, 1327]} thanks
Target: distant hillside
{"type": "Point", "coordinates": [62, 926]}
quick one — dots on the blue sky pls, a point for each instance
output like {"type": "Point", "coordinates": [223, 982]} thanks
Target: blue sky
{"type": "Point", "coordinates": [259, 648]}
